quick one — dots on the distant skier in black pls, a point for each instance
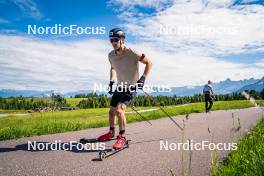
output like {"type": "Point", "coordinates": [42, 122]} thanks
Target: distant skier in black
{"type": "Point", "coordinates": [208, 96]}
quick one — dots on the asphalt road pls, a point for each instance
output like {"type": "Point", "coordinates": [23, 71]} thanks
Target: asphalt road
{"type": "Point", "coordinates": [143, 157]}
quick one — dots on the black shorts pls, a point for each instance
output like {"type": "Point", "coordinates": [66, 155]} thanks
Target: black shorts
{"type": "Point", "coordinates": [121, 97]}
{"type": "Point", "coordinates": [208, 97]}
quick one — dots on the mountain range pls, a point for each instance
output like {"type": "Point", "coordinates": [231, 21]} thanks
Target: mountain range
{"type": "Point", "coordinates": [223, 87]}
{"type": "Point", "coordinates": [258, 86]}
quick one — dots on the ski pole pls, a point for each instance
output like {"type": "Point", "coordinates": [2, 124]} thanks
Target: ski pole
{"type": "Point", "coordinates": [162, 109]}
{"type": "Point", "coordinates": [133, 107]}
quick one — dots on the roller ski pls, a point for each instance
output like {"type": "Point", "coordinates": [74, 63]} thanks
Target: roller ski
{"type": "Point", "coordinates": [120, 145]}
{"type": "Point", "coordinates": [106, 137]}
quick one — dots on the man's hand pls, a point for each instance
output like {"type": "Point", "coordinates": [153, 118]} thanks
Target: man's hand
{"type": "Point", "coordinates": [111, 87]}
{"type": "Point", "coordinates": [140, 82]}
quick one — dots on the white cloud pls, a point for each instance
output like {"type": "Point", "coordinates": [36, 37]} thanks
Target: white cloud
{"type": "Point", "coordinates": [36, 64]}
{"type": "Point", "coordinates": [260, 63]}
{"type": "Point", "coordinates": [27, 63]}
{"type": "Point", "coordinates": [181, 69]}
{"type": "Point", "coordinates": [206, 26]}
{"type": "Point", "coordinates": [157, 4]}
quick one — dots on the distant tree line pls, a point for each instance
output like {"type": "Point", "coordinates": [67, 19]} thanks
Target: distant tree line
{"type": "Point", "coordinates": [93, 100]}
{"type": "Point", "coordinates": [256, 95]}
{"type": "Point", "coordinates": [30, 103]}
{"type": "Point", "coordinates": [102, 101]}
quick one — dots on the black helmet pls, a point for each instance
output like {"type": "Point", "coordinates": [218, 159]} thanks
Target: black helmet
{"type": "Point", "coordinates": [117, 32]}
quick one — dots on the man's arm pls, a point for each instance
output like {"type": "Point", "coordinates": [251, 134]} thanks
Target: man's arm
{"type": "Point", "coordinates": [112, 79]}
{"type": "Point", "coordinates": [212, 91]}
{"type": "Point", "coordinates": [148, 66]}
{"type": "Point", "coordinates": [112, 74]}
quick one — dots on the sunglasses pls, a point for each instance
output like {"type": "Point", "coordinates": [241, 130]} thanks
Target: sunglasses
{"type": "Point", "coordinates": [114, 40]}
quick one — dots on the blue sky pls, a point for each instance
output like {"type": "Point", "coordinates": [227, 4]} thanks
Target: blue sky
{"type": "Point", "coordinates": [81, 13]}
{"type": "Point", "coordinates": [237, 55]}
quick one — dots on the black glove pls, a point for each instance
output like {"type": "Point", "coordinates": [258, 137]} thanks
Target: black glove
{"type": "Point", "coordinates": [140, 82]}
{"type": "Point", "coordinates": [111, 87]}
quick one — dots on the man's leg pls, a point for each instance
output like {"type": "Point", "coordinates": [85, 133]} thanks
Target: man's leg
{"type": "Point", "coordinates": [210, 105]}
{"type": "Point", "coordinates": [125, 98]}
{"type": "Point", "coordinates": [120, 112]}
{"type": "Point", "coordinates": [111, 132]}
{"type": "Point", "coordinates": [206, 105]}
{"type": "Point", "coordinates": [112, 113]}
{"type": "Point", "coordinates": [207, 100]}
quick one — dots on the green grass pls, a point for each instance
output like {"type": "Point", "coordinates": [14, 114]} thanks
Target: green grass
{"type": "Point", "coordinates": [4, 111]}
{"type": "Point", "coordinates": [260, 102]}
{"type": "Point", "coordinates": [62, 121]}
{"type": "Point", "coordinates": [248, 159]}
{"type": "Point", "coordinates": [74, 101]}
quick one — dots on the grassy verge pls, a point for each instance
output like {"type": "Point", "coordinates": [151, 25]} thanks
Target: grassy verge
{"type": "Point", "coordinates": [4, 111]}
{"type": "Point", "coordinates": [260, 102]}
{"type": "Point", "coordinates": [62, 121]}
{"type": "Point", "coordinates": [248, 159]}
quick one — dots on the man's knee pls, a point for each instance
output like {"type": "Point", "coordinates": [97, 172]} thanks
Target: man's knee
{"type": "Point", "coordinates": [120, 110]}
{"type": "Point", "coordinates": [112, 111]}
